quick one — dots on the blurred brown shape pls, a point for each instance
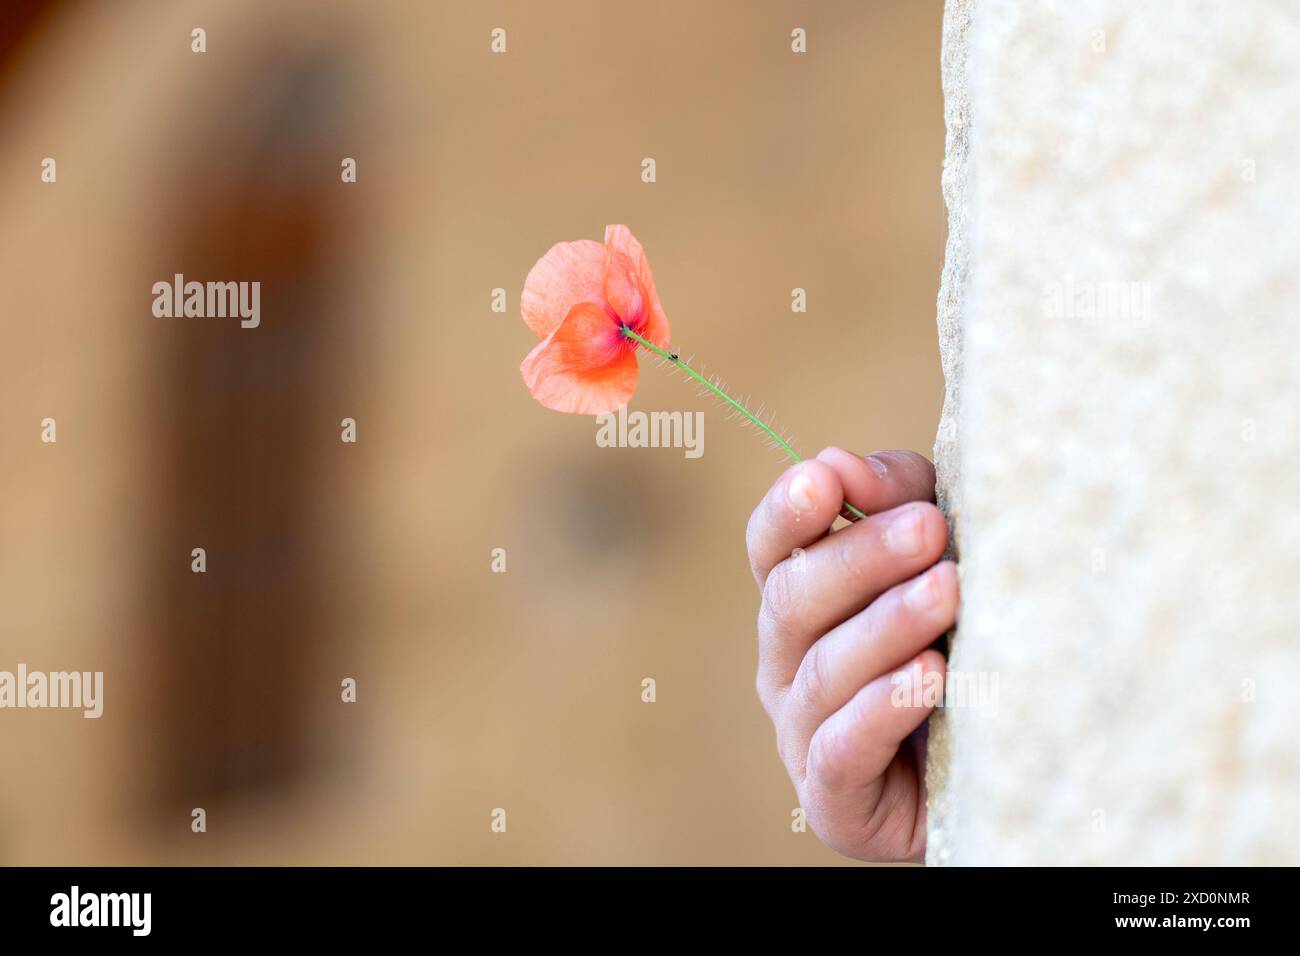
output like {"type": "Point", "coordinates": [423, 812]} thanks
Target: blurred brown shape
{"type": "Point", "coordinates": [242, 428]}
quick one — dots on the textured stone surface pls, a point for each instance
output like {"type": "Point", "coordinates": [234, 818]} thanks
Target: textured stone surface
{"type": "Point", "coordinates": [1120, 331]}
{"type": "Point", "coordinates": [952, 289]}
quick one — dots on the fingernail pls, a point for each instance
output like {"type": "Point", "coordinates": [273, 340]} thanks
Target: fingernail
{"type": "Point", "coordinates": [919, 595]}
{"type": "Point", "coordinates": [800, 492]}
{"type": "Point", "coordinates": [877, 466]}
{"type": "Point", "coordinates": [903, 536]}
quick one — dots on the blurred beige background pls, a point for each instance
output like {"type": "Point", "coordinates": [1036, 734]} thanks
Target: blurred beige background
{"type": "Point", "coordinates": [476, 690]}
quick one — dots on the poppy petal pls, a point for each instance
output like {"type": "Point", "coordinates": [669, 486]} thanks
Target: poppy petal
{"type": "Point", "coordinates": [584, 366]}
{"type": "Point", "coordinates": [630, 286]}
{"type": "Point", "coordinates": [569, 273]}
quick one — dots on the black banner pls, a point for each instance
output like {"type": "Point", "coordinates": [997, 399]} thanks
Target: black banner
{"type": "Point", "coordinates": [1148, 906]}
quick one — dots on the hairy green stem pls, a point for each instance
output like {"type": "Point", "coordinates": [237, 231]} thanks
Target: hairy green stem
{"type": "Point", "coordinates": [740, 407]}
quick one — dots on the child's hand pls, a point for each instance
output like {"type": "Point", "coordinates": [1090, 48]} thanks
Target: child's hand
{"type": "Point", "coordinates": [842, 613]}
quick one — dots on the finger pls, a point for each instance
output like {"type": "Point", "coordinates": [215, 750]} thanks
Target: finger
{"type": "Point", "coordinates": [896, 626]}
{"type": "Point", "coordinates": [859, 798]}
{"type": "Point", "coordinates": [835, 578]}
{"type": "Point", "coordinates": [795, 512]}
{"type": "Point", "coordinates": [882, 480]}
{"type": "Point", "coordinates": [856, 743]}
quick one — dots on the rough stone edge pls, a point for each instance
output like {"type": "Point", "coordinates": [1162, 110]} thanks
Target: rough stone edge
{"type": "Point", "coordinates": [956, 110]}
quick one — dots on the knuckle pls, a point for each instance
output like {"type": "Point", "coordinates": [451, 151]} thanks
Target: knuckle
{"type": "Point", "coordinates": [780, 597]}
{"type": "Point", "coordinates": [876, 623]}
{"type": "Point", "coordinates": [825, 766]}
{"type": "Point", "coordinates": [813, 678]}
{"type": "Point", "coordinates": [849, 555]}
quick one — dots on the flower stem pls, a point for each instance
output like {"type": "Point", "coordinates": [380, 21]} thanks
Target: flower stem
{"type": "Point", "coordinates": [674, 359]}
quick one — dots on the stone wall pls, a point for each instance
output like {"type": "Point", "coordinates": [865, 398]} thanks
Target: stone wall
{"type": "Point", "coordinates": [1120, 447]}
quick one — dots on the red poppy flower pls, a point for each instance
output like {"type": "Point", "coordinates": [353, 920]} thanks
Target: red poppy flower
{"type": "Point", "coordinates": [578, 298]}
